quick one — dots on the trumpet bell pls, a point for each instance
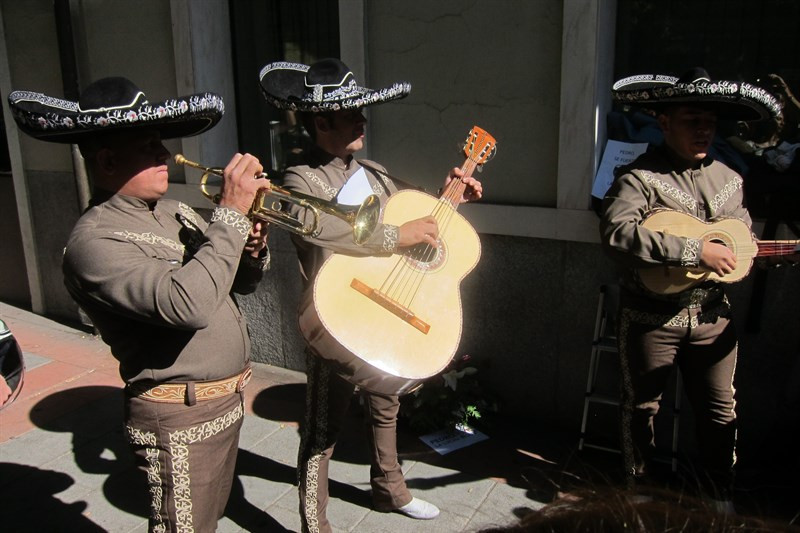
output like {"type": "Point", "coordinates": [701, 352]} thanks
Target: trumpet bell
{"type": "Point", "coordinates": [267, 206]}
{"type": "Point", "coordinates": [366, 219]}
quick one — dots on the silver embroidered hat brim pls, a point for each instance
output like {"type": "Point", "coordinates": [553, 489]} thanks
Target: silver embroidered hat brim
{"type": "Point", "coordinates": [57, 120]}
{"type": "Point", "coordinates": [731, 99]}
{"type": "Point", "coordinates": [285, 86]}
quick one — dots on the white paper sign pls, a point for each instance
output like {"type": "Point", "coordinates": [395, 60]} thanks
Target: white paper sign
{"type": "Point", "coordinates": [617, 153]}
{"type": "Point", "coordinates": [355, 190]}
{"type": "Point", "coordinates": [448, 440]}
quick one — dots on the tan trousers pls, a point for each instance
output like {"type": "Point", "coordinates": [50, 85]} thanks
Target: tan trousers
{"type": "Point", "coordinates": [328, 397]}
{"type": "Point", "coordinates": [188, 454]}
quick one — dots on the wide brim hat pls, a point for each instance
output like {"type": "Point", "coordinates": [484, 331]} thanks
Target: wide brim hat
{"type": "Point", "coordinates": [731, 100]}
{"type": "Point", "coordinates": [112, 104]}
{"type": "Point", "coordinates": [326, 85]}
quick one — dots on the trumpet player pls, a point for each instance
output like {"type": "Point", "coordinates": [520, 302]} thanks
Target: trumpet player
{"type": "Point", "coordinates": [157, 282]}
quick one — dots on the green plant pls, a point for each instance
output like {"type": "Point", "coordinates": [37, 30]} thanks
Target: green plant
{"type": "Point", "coordinates": [452, 399]}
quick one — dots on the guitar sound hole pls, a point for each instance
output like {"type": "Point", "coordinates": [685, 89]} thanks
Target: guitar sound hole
{"type": "Point", "coordinates": [722, 239]}
{"type": "Point", "coordinates": [426, 257]}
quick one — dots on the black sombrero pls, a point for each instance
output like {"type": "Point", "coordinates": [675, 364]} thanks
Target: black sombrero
{"type": "Point", "coordinates": [731, 100]}
{"type": "Point", "coordinates": [112, 104]}
{"type": "Point", "coordinates": [327, 85]}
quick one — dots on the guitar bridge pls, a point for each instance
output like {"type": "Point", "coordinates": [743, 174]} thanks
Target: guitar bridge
{"type": "Point", "coordinates": [390, 305]}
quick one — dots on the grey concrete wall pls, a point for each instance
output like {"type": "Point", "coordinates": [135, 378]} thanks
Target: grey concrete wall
{"type": "Point", "coordinates": [492, 64]}
{"type": "Point", "coordinates": [54, 204]}
{"type": "Point", "coordinates": [272, 310]}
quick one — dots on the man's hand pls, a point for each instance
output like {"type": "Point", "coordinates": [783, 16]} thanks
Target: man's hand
{"type": "Point", "coordinates": [240, 183]}
{"type": "Point", "coordinates": [257, 239]}
{"type": "Point", "coordinates": [717, 258]}
{"type": "Point", "coordinates": [418, 231]}
{"type": "Point", "coordinates": [473, 190]}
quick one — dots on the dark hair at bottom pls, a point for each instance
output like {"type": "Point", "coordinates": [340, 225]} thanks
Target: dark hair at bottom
{"type": "Point", "coordinates": [642, 511]}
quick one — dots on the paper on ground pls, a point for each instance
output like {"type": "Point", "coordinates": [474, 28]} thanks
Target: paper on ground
{"type": "Point", "coordinates": [448, 440]}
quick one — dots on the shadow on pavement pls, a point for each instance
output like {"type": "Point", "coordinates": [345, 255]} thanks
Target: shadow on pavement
{"type": "Point", "coordinates": [32, 505]}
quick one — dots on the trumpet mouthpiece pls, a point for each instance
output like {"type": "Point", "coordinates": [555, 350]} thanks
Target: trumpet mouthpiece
{"type": "Point", "coordinates": [180, 159]}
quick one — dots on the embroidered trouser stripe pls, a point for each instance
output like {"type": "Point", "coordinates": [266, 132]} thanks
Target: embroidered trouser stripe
{"type": "Point", "coordinates": [189, 469]}
{"type": "Point", "coordinates": [312, 442]}
{"type": "Point", "coordinates": [147, 440]}
{"type": "Point", "coordinates": [328, 398]}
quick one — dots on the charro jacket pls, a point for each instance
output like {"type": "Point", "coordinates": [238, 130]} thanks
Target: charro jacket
{"type": "Point", "coordinates": [656, 180]}
{"type": "Point", "coordinates": [157, 281]}
{"type": "Point", "coordinates": [323, 176]}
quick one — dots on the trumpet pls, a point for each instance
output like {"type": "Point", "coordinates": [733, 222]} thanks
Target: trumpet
{"type": "Point", "coordinates": [267, 207]}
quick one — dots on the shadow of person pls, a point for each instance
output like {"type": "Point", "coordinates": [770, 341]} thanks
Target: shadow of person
{"type": "Point", "coordinates": [281, 403]}
{"type": "Point", "coordinates": [244, 513]}
{"type": "Point", "coordinates": [286, 404]}
{"type": "Point", "coordinates": [94, 416]}
{"type": "Point", "coordinates": [29, 497]}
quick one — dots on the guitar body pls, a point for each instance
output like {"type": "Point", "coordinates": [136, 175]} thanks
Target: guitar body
{"type": "Point", "coordinates": [373, 347]}
{"type": "Point", "coordinates": [731, 232]}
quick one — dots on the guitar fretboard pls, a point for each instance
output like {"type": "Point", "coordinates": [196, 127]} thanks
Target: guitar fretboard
{"type": "Point", "coordinates": [773, 248]}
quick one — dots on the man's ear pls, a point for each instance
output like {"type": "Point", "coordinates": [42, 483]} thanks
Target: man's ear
{"type": "Point", "coordinates": [322, 123]}
{"type": "Point", "coordinates": [663, 121]}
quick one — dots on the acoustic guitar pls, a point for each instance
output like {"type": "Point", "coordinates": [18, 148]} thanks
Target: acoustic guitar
{"type": "Point", "coordinates": [390, 322]}
{"type": "Point", "coordinates": [730, 232]}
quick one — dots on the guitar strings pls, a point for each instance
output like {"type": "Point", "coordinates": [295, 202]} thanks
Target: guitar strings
{"type": "Point", "coordinates": [764, 248]}
{"type": "Point", "coordinates": [769, 248]}
{"type": "Point", "coordinates": [404, 281]}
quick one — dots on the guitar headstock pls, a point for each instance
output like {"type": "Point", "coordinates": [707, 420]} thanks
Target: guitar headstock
{"type": "Point", "coordinates": [479, 146]}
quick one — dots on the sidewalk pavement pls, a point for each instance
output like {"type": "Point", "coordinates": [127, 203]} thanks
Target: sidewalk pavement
{"type": "Point", "coordinates": [65, 466]}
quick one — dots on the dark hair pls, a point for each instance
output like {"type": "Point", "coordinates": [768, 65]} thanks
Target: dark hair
{"type": "Point", "coordinates": [307, 120]}
{"type": "Point", "coordinates": [640, 512]}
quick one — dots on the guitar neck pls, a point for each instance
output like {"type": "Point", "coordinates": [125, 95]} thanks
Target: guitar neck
{"type": "Point", "coordinates": [455, 189]}
{"type": "Point", "coordinates": [773, 248]}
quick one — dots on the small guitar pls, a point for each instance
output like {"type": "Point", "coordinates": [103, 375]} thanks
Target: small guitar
{"type": "Point", "coordinates": [390, 322]}
{"type": "Point", "coordinates": [731, 232]}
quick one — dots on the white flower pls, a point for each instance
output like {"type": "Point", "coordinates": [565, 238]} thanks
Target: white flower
{"type": "Point", "coordinates": [451, 379]}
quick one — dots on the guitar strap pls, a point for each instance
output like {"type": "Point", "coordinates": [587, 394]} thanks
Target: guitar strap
{"type": "Point", "coordinates": [384, 176]}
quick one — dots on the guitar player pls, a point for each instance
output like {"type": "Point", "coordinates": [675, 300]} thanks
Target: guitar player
{"type": "Point", "coordinates": [330, 102]}
{"type": "Point", "coordinates": [691, 328]}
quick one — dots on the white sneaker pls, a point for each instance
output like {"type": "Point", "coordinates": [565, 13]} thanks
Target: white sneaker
{"type": "Point", "coordinates": [419, 509]}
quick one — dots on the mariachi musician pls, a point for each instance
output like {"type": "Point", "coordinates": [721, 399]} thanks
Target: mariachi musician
{"type": "Point", "coordinates": [157, 282]}
{"type": "Point", "coordinates": [692, 327]}
{"type": "Point", "coordinates": [330, 102]}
